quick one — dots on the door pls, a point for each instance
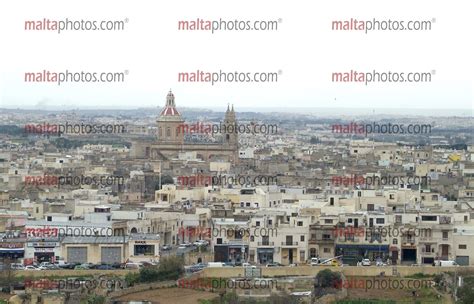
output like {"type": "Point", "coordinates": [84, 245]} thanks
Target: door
{"type": "Point", "coordinates": [77, 255]}
{"type": "Point", "coordinates": [444, 252]}
{"type": "Point", "coordinates": [394, 257]}
{"type": "Point", "coordinates": [111, 255]}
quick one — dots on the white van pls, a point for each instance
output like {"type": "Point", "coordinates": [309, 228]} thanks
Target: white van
{"type": "Point", "coordinates": [447, 263]}
{"type": "Point", "coordinates": [215, 264]}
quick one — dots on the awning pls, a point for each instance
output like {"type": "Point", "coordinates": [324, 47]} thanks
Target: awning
{"type": "Point", "coordinates": [265, 250]}
{"type": "Point", "coordinates": [363, 247]}
{"type": "Point", "coordinates": [12, 250]}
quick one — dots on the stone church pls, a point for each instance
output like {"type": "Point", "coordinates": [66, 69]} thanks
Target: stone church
{"type": "Point", "coordinates": [172, 139]}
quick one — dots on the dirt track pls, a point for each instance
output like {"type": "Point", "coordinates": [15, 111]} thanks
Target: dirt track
{"type": "Point", "coordinates": [169, 296]}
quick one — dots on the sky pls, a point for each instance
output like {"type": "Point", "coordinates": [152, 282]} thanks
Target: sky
{"type": "Point", "coordinates": [304, 53]}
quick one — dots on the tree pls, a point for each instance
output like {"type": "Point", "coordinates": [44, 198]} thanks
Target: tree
{"type": "Point", "coordinates": [96, 299]}
{"type": "Point", "coordinates": [466, 292]}
{"type": "Point", "coordinates": [327, 279]}
{"type": "Point", "coordinates": [170, 268]}
{"type": "Point", "coordinates": [7, 275]}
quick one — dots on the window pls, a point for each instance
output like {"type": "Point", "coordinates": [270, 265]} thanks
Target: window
{"type": "Point", "coordinates": [144, 250]}
{"type": "Point", "coordinates": [359, 193]}
{"type": "Point", "coordinates": [395, 241]}
{"type": "Point", "coordinates": [247, 204]}
{"type": "Point", "coordinates": [429, 218]}
{"type": "Point", "coordinates": [300, 223]}
{"type": "Point", "coordinates": [462, 246]}
{"type": "Point", "coordinates": [257, 223]}
{"type": "Point", "coordinates": [252, 238]}
{"type": "Point", "coordinates": [326, 236]}
{"type": "Point", "coordinates": [302, 256]}
{"type": "Point", "coordinates": [327, 221]}
{"type": "Point", "coordinates": [380, 221]}
{"type": "Point", "coordinates": [349, 220]}
{"type": "Point", "coordinates": [270, 222]}
{"type": "Point", "coordinates": [331, 201]}
{"type": "Point", "coordinates": [398, 219]}
{"type": "Point", "coordinates": [49, 219]}
{"type": "Point", "coordinates": [445, 234]}
{"type": "Point", "coordinates": [327, 250]}
{"type": "Point", "coordinates": [370, 207]}
{"type": "Point", "coordinates": [37, 209]}
{"type": "Point", "coordinates": [302, 238]}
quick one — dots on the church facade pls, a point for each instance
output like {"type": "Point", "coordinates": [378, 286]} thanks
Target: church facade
{"type": "Point", "coordinates": [172, 138]}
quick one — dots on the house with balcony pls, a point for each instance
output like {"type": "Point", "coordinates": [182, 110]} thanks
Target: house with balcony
{"type": "Point", "coordinates": [286, 239]}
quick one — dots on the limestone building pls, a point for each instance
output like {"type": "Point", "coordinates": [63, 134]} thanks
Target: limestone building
{"type": "Point", "coordinates": [172, 138]}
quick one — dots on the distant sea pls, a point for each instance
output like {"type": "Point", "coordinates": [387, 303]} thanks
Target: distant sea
{"type": "Point", "coordinates": [313, 111]}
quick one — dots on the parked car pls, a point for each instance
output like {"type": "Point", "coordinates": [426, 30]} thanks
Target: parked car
{"type": "Point", "coordinates": [445, 263]}
{"type": "Point", "coordinates": [17, 266]}
{"type": "Point", "coordinates": [90, 265]}
{"type": "Point", "coordinates": [201, 243]}
{"type": "Point", "coordinates": [248, 265]}
{"type": "Point", "coordinates": [166, 247]}
{"type": "Point", "coordinates": [315, 261]}
{"type": "Point", "coordinates": [366, 262]}
{"type": "Point", "coordinates": [133, 266]}
{"type": "Point", "coordinates": [148, 264]}
{"type": "Point", "coordinates": [31, 267]}
{"type": "Point", "coordinates": [53, 267]}
{"type": "Point", "coordinates": [69, 265]}
{"type": "Point", "coordinates": [274, 264]}
{"type": "Point", "coordinates": [186, 244]}
{"type": "Point", "coordinates": [196, 267]}
{"type": "Point", "coordinates": [81, 267]}
{"type": "Point", "coordinates": [117, 265]}
{"type": "Point", "coordinates": [104, 267]}
{"type": "Point", "coordinates": [379, 262]}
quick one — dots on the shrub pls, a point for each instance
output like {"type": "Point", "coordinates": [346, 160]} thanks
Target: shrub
{"type": "Point", "coordinates": [326, 279]}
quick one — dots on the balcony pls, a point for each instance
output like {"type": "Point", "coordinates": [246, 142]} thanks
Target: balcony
{"type": "Point", "coordinates": [289, 244]}
{"type": "Point", "coordinates": [408, 240]}
{"type": "Point", "coordinates": [425, 253]}
{"type": "Point", "coordinates": [263, 244]}
{"type": "Point", "coordinates": [324, 241]}
{"type": "Point", "coordinates": [427, 239]}
{"type": "Point", "coordinates": [344, 240]}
